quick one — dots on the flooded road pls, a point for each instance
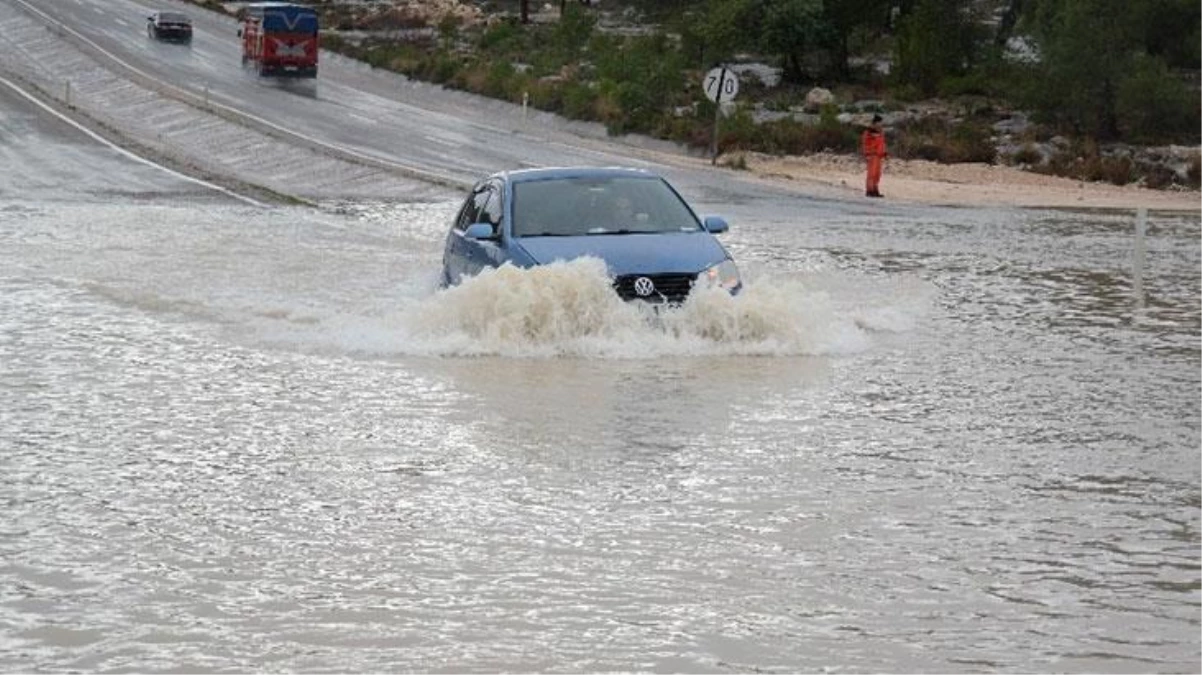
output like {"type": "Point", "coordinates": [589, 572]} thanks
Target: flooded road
{"type": "Point", "coordinates": [237, 437]}
{"type": "Point", "coordinates": [923, 440]}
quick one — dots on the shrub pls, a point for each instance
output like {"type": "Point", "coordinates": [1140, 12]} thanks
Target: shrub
{"type": "Point", "coordinates": [573, 31]}
{"type": "Point", "coordinates": [691, 131]}
{"type": "Point", "coordinates": [473, 78]}
{"type": "Point", "coordinates": [442, 69]}
{"type": "Point", "coordinates": [1085, 163]}
{"type": "Point", "coordinates": [1152, 105]}
{"type": "Point", "coordinates": [1157, 177]}
{"type": "Point", "coordinates": [499, 36]}
{"type": "Point", "coordinates": [1194, 173]}
{"type": "Point", "coordinates": [577, 100]}
{"type": "Point", "coordinates": [1028, 155]}
{"type": "Point", "coordinates": [496, 83]}
{"type": "Point", "coordinates": [788, 137]}
{"type": "Point", "coordinates": [607, 107]}
{"type": "Point", "coordinates": [546, 96]}
{"type": "Point", "coordinates": [972, 84]}
{"type": "Point", "coordinates": [970, 142]}
{"type": "Point", "coordinates": [1116, 170]}
{"type": "Point", "coordinates": [737, 132]}
{"type": "Point", "coordinates": [333, 41]}
{"type": "Point", "coordinates": [938, 140]}
{"type": "Point", "coordinates": [923, 150]}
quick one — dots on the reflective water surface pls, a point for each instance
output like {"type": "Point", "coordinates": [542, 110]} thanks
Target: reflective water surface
{"type": "Point", "coordinates": [923, 440]}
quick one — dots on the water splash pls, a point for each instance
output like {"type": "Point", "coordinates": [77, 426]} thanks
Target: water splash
{"type": "Point", "coordinates": [569, 309]}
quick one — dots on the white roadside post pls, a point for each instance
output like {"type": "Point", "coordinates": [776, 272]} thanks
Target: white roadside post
{"type": "Point", "coordinates": [720, 84]}
{"type": "Point", "coordinates": [1141, 230]}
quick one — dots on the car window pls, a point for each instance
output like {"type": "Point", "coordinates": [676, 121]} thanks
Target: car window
{"type": "Point", "coordinates": [606, 205]}
{"type": "Point", "coordinates": [492, 211]}
{"type": "Point", "coordinates": [472, 206]}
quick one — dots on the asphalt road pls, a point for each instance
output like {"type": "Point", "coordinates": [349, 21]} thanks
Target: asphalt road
{"type": "Point", "coordinates": [48, 153]}
{"type": "Point", "coordinates": [375, 121]}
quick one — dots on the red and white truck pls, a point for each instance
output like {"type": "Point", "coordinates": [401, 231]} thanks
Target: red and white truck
{"type": "Point", "coordinates": [279, 39]}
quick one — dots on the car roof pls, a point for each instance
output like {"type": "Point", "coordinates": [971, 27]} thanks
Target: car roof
{"type": "Point", "coordinates": [562, 172]}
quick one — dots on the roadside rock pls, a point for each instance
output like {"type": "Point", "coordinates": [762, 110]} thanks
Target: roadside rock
{"type": "Point", "coordinates": [818, 97]}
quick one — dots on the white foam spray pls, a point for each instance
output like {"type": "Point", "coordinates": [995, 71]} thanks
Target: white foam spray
{"type": "Point", "coordinates": [569, 309]}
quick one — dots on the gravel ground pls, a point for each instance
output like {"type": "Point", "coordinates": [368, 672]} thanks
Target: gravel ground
{"type": "Point", "coordinates": [965, 184]}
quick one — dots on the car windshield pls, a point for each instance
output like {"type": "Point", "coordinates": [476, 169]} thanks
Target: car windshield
{"type": "Point", "coordinates": [579, 206]}
{"type": "Point", "coordinates": [167, 17]}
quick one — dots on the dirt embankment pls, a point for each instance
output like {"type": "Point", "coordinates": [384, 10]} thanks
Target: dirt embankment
{"type": "Point", "coordinates": [962, 184]}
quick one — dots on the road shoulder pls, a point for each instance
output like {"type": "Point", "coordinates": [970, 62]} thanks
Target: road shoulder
{"type": "Point", "coordinates": [842, 176]}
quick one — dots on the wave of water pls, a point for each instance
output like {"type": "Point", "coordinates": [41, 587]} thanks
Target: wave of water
{"type": "Point", "coordinates": [569, 309]}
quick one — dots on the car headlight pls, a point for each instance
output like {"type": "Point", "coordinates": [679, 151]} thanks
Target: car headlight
{"type": "Point", "coordinates": [724, 275]}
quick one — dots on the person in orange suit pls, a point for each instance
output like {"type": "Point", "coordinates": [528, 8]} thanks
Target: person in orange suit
{"type": "Point", "coordinates": [873, 141]}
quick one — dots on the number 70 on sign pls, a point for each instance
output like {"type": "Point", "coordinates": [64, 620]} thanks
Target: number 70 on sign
{"type": "Point", "coordinates": [721, 84]}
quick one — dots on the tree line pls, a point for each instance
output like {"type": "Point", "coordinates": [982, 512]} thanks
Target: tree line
{"type": "Point", "coordinates": [1107, 69]}
{"type": "Point", "coordinates": [1096, 71]}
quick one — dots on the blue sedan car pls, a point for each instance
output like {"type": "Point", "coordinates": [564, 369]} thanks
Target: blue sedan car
{"type": "Point", "coordinates": [653, 244]}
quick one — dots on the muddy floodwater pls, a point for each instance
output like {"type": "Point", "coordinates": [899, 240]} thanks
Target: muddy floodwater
{"type": "Point", "coordinates": [923, 439]}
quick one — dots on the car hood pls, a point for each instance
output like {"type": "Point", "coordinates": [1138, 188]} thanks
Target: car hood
{"type": "Point", "coordinates": [658, 253]}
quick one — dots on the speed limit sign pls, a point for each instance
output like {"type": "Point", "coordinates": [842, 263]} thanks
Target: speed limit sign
{"type": "Point", "coordinates": [721, 84]}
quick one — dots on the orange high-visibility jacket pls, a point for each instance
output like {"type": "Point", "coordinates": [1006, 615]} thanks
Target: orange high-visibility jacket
{"type": "Point", "coordinates": [874, 143]}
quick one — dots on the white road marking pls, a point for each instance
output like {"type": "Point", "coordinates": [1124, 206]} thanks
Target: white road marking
{"type": "Point", "coordinates": [123, 151]}
{"type": "Point", "coordinates": [451, 143]}
{"type": "Point", "coordinates": [362, 118]}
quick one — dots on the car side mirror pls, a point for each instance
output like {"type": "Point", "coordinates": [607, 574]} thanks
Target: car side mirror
{"type": "Point", "coordinates": [239, 32]}
{"type": "Point", "coordinates": [479, 231]}
{"type": "Point", "coordinates": [715, 224]}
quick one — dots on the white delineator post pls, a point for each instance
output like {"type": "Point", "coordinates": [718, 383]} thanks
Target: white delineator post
{"type": "Point", "coordinates": [1141, 231]}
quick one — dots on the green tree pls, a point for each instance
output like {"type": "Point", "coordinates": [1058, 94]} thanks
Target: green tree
{"type": "Point", "coordinates": [791, 29]}
{"type": "Point", "coordinates": [571, 35]}
{"type": "Point", "coordinates": [1171, 30]}
{"type": "Point", "coordinates": [725, 28]}
{"type": "Point", "coordinates": [935, 40]}
{"type": "Point", "coordinates": [640, 76]}
{"type": "Point", "coordinates": [1010, 16]}
{"type": "Point", "coordinates": [1151, 105]}
{"type": "Point", "coordinates": [788, 30]}
{"type": "Point", "coordinates": [843, 19]}
{"type": "Point", "coordinates": [1086, 49]}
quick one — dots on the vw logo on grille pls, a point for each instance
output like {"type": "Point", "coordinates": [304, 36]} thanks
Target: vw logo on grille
{"type": "Point", "coordinates": [644, 287]}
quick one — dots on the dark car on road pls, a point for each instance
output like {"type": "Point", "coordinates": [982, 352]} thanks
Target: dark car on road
{"type": "Point", "coordinates": [169, 27]}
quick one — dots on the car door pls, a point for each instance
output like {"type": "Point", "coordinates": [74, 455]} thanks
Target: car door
{"type": "Point", "coordinates": [455, 250]}
{"type": "Point", "coordinates": [465, 256]}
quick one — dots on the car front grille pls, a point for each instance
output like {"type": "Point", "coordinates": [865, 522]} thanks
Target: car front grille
{"type": "Point", "coordinates": [672, 288]}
